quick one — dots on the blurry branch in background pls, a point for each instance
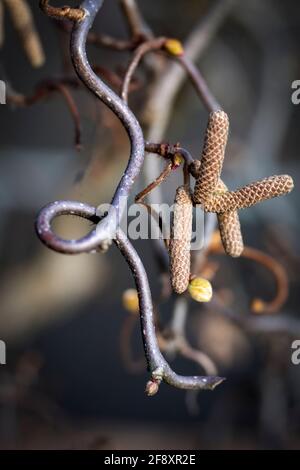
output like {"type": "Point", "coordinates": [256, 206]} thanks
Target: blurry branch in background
{"type": "Point", "coordinates": [137, 27]}
{"type": "Point", "coordinates": [2, 32]}
{"type": "Point", "coordinates": [24, 25]}
{"type": "Point", "coordinates": [42, 92]}
{"type": "Point", "coordinates": [275, 268]}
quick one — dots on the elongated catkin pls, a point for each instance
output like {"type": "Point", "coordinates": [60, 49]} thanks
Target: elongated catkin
{"type": "Point", "coordinates": [180, 241]}
{"type": "Point", "coordinates": [250, 195]}
{"type": "Point", "coordinates": [212, 156]}
{"type": "Point", "coordinates": [230, 229]}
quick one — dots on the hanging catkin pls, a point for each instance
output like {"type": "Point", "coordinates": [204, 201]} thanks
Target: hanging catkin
{"type": "Point", "coordinates": [230, 229]}
{"type": "Point", "coordinates": [212, 156]}
{"type": "Point", "coordinates": [180, 241]}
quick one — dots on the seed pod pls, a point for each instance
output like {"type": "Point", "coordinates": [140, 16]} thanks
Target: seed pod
{"type": "Point", "coordinates": [24, 24]}
{"type": "Point", "coordinates": [230, 229]}
{"type": "Point", "coordinates": [200, 289]}
{"type": "Point", "coordinates": [179, 246]}
{"type": "Point", "coordinates": [250, 195]}
{"type": "Point", "coordinates": [212, 156]}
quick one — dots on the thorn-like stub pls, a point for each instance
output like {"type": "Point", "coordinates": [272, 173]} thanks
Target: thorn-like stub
{"type": "Point", "coordinates": [104, 245]}
{"type": "Point", "coordinates": [217, 381]}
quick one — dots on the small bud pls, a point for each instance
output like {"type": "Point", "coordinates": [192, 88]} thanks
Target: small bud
{"type": "Point", "coordinates": [200, 289]}
{"type": "Point", "coordinates": [258, 306]}
{"type": "Point", "coordinates": [152, 388]}
{"type": "Point", "coordinates": [177, 160]}
{"type": "Point", "coordinates": [130, 300]}
{"type": "Point", "coordinates": [174, 47]}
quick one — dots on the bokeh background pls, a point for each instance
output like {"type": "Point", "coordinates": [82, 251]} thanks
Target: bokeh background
{"type": "Point", "coordinates": [67, 382]}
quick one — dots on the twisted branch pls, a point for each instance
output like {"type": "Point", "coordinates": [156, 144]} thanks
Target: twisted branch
{"type": "Point", "coordinates": [107, 227]}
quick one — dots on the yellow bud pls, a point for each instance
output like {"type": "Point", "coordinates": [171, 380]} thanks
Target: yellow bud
{"type": "Point", "coordinates": [177, 159]}
{"type": "Point", "coordinates": [258, 306]}
{"type": "Point", "coordinates": [130, 300]}
{"type": "Point", "coordinates": [200, 289]}
{"type": "Point", "coordinates": [174, 47]}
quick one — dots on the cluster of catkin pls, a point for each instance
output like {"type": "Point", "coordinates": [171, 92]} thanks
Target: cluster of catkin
{"type": "Point", "coordinates": [213, 195]}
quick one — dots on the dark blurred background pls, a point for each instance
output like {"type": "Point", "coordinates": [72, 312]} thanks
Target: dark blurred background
{"type": "Point", "coordinates": [65, 384]}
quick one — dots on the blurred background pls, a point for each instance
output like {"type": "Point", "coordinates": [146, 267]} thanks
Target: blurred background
{"type": "Point", "coordinates": [75, 373]}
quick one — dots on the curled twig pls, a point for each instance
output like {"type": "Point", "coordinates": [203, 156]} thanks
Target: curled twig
{"type": "Point", "coordinates": [157, 365]}
{"type": "Point", "coordinates": [41, 92]}
{"type": "Point", "coordinates": [144, 48]}
{"type": "Point", "coordinates": [280, 276]}
{"type": "Point", "coordinates": [107, 226]}
{"type": "Point", "coordinates": [277, 270]}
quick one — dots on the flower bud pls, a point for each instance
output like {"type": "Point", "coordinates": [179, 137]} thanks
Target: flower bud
{"type": "Point", "coordinates": [200, 289]}
{"type": "Point", "coordinates": [174, 47]}
{"type": "Point", "coordinates": [130, 300]}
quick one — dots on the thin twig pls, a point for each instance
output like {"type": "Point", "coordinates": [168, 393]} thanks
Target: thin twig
{"type": "Point", "coordinates": [144, 48]}
{"type": "Point", "coordinates": [280, 276]}
{"type": "Point", "coordinates": [136, 23]}
{"type": "Point", "coordinates": [160, 104]}
{"type": "Point", "coordinates": [42, 91]}
{"type": "Point", "coordinates": [199, 83]}
{"type": "Point", "coordinates": [275, 268]}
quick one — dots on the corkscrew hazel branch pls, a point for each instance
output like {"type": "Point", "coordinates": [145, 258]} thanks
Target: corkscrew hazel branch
{"type": "Point", "coordinates": [106, 229]}
{"type": "Point", "coordinates": [159, 368]}
{"type": "Point", "coordinates": [157, 365]}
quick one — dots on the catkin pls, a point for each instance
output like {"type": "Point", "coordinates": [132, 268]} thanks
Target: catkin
{"type": "Point", "coordinates": [179, 246]}
{"type": "Point", "coordinates": [212, 156]}
{"type": "Point", "coordinates": [249, 195]}
{"type": "Point", "coordinates": [24, 24]}
{"type": "Point", "coordinates": [230, 229]}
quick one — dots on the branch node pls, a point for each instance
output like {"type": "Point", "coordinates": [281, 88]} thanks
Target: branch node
{"type": "Point", "coordinates": [62, 13]}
